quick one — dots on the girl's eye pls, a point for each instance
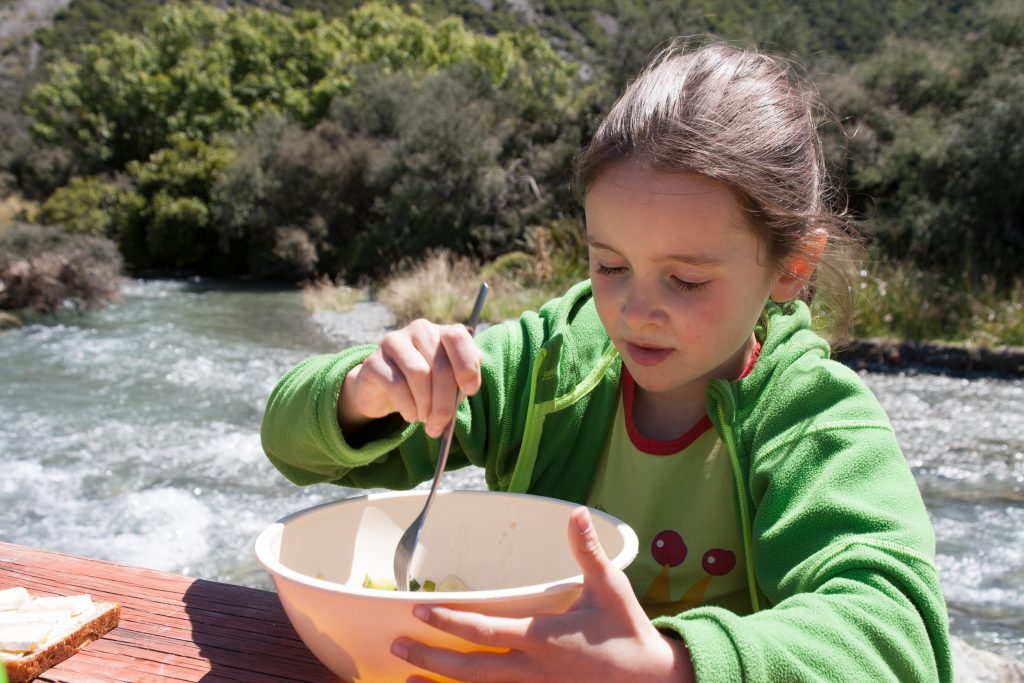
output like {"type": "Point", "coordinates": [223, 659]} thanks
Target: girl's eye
{"type": "Point", "coordinates": [610, 270]}
{"type": "Point", "coordinates": [687, 286]}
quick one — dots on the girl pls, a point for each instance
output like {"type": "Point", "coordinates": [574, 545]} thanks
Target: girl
{"type": "Point", "coordinates": [680, 389]}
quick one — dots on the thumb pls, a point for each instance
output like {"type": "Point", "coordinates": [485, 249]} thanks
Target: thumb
{"type": "Point", "coordinates": [586, 547]}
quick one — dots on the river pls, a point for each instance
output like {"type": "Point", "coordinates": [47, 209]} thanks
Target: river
{"type": "Point", "coordinates": [131, 434]}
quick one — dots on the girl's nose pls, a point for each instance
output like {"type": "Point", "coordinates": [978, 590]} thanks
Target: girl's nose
{"type": "Point", "coordinates": [639, 307]}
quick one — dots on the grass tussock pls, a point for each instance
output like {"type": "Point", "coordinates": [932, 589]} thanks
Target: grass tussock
{"type": "Point", "coordinates": [325, 294]}
{"type": "Point", "coordinates": [894, 300]}
{"type": "Point", "coordinates": [442, 287]}
{"type": "Point", "coordinates": [9, 321]}
{"type": "Point", "coordinates": [15, 207]}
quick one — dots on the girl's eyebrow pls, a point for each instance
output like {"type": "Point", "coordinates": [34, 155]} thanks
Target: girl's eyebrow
{"type": "Point", "coordinates": [689, 259]}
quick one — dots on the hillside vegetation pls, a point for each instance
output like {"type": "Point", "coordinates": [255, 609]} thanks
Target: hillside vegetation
{"type": "Point", "coordinates": [309, 139]}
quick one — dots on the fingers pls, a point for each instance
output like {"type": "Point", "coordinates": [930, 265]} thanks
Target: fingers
{"type": "Point", "coordinates": [501, 635]}
{"type": "Point", "coordinates": [499, 632]}
{"type": "Point", "coordinates": [583, 540]}
{"type": "Point", "coordinates": [418, 371]}
{"type": "Point", "coordinates": [478, 666]}
{"type": "Point", "coordinates": [465, 357]}
{"type": "Point", "coordinates": [438, 408]}
{"type": "Point", "coordinates": [598, 571]}
{"type": "Point", "coordinates": [383, 388]}
{"type": "Point", "coordinates": [407, 352]}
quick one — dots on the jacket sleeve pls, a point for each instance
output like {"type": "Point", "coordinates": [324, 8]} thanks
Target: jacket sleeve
{"type": "Point", "coordinates": [842, 547]}
{"type": "Point", "coordinates": [301, 436]}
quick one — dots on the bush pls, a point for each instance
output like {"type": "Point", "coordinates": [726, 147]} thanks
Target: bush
{"type": "Point", "coordinates": [298, 200]}
{"type": "Point", "coordinates": [406, 163]}
{"type": "Point", "coordinates": [935, 158]}
{"type": "Point", "coordinates": [446, 186]}
{"type": "Point", "coordinates": [44, 269]}
{"type": "Point", "coordinates": [301, 191]}
{"type": "Point", "coordinates": [83, 206]}
{"type": "Point", "coordinates": [167, 220]}
{"type": "Point", "coordinates": [443, 286]}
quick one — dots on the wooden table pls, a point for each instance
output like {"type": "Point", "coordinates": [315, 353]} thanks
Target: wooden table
{"type": "Point", "coordinates": [173, 628]}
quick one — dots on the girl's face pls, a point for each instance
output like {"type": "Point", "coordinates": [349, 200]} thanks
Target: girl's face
{"type": "Point", "coordinates": [679, 277]}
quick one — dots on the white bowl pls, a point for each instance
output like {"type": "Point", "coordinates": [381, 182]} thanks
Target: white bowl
{"type": "Point", "coordinates": [512, 550]}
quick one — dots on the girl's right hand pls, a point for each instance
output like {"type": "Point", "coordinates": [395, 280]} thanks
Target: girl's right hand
{"type": "Point", "coordinates": [416, 372]}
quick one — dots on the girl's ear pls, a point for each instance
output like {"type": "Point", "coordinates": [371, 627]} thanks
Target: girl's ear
{"type": "Point", "coordinates": [799, 269]}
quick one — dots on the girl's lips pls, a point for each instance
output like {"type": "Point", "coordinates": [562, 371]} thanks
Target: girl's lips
{"type": "Point", "coordinates": [647, 355]}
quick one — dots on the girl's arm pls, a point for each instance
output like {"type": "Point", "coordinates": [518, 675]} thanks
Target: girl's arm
{"type": "Point", "coordinates": [304, 437]}
{"type": "Point", "coordinates": [843, 548]}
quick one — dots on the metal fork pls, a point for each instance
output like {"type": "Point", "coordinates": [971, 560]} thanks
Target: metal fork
{"type": "Point", "coordinates": [410, 539]}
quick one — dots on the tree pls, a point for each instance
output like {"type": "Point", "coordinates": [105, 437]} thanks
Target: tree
{"type": "Point", "coordinates": [164, 108]}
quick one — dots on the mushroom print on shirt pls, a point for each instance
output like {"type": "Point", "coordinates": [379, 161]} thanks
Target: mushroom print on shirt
{"type": "Point", "coordinates": [679, 498]}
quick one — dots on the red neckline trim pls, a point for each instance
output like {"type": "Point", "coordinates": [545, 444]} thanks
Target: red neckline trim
{"type": "Point", "coordinates": [651, 446]}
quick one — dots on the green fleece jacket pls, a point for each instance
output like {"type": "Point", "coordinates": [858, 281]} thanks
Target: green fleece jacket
{"type": "Point", "coordinates": [839, 548]}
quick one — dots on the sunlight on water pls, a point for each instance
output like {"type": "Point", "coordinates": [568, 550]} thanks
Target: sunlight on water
{"type": "Point", "coordinates": [132, 435]}
{"type": "Point", "coordinates": [964, 440]}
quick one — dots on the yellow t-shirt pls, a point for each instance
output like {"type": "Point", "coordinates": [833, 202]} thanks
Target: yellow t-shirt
{"type": "Point", "coordinates": [679, 497]}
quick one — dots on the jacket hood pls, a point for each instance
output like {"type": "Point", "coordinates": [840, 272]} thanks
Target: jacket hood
{"type": "Point", "coordinates": [576, 342]}
{"type": "Point", "coordinates": [786, 337]}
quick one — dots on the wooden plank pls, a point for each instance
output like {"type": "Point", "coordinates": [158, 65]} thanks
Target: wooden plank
{"type": "Point", "coordinates": [173, 628]}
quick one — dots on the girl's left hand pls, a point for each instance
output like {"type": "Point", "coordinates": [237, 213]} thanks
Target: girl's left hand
{"type": "Point", "coordinates": [604, 636]}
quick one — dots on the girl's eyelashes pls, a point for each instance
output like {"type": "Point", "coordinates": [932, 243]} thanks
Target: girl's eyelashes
{"type": "Point", "coordinates": [610, 270]}
{"type": "Point", "coordinates": [678, 283]}
{"type": "Point", "coordinates": [687, 286]}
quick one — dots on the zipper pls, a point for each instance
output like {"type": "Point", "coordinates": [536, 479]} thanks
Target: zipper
{"type": "Point", "coordinates": [741, 495]}
{"type": "Point", "coordinates": [522, 474]}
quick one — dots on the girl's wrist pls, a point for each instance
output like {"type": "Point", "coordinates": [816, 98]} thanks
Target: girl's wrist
{"type": "Point", "coordinates": [682, 666]}
{"type": "Point", "coordinates": [350, 418]}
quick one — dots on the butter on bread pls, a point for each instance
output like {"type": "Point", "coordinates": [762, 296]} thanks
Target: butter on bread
{"type": "Point", "coordinates": [37, 633]}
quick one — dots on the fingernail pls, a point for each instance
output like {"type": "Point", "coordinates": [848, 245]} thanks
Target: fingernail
{"type": "Point", "coordinates": [583, 521]}
{"type": "Point", "coordinates": [399, 650]}
{"type": "Point", "coordinates": [420, 612]}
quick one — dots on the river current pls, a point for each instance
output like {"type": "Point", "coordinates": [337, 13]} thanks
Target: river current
{"type": "Point", "coordinates": [132, 435]}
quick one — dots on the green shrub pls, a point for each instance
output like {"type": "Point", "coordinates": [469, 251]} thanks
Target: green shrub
{"type": "Point", "coordinates": [515, 265]}
{"type": "Point", "coordinates": [934, 155]}
{"type": "Point", "coordinates": [83, 206]}
{"type": "Point", "coordinates": [172, 226]}
{"type": "Point", "coordinates": [299, 200]}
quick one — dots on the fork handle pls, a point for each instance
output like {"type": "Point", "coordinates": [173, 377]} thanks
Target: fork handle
{"type": "Point", "coordinates": [449, 431]}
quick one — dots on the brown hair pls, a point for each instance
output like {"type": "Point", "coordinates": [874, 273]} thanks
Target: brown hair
{"type": "Point", "coordinates": [740, 117]}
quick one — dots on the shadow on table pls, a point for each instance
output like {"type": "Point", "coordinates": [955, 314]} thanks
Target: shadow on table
{"type": "Point", "coordinates": [244, 635]}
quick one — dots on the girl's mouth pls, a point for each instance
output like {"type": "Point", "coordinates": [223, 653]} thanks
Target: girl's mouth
{"type": "Point", "coordinates": [647, 355]}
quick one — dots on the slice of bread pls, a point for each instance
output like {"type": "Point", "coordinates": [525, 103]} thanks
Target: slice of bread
{"type": "Point", "coordinates": [38, 633]}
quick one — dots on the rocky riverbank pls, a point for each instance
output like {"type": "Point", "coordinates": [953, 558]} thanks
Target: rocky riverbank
{"type": "Point", "coordinates": [971, 665]}
{"type": "Point", "coordinates": [887, 355]}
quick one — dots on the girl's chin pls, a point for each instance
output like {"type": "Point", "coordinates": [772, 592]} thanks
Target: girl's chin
{"type": "Point", "coordinates": [653, 380]}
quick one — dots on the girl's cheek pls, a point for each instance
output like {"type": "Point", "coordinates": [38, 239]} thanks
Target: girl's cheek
{"type": "Point", "coordinates": [604, 300]}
